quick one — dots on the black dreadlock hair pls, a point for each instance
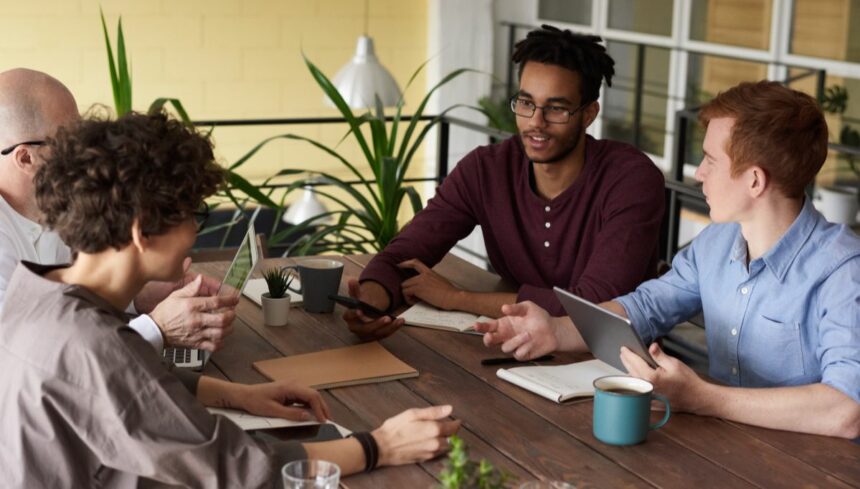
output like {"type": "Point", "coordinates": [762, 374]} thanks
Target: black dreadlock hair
{"type": "Point", "coordinates": [577, 52]}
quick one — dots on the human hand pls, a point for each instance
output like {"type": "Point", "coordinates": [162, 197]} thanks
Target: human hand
{"type": "Point", "coordinates": [365, 327]}
{"type": "Point", "coordinates": [277, 399]}
{"type": "Point", "coordinates": [188, 320]}
{"type": "Point", "coordinates": [415, 435]}
{"type": "Point", "coordinates": [672, 378]}
{"type": "Point", "coordinates": [525, 329]}
{"type": "Point", "coordinates": [428, 286]}
{"type": "Point", "coordinates": [155, 292]}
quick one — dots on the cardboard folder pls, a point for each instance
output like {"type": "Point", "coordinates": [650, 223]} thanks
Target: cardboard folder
{"type": "Point", "coordinates": [352, 365]}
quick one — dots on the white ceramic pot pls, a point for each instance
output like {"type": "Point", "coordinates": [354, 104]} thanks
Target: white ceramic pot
{"type": "Point", "coordinates": [837, 204]}
{"type": "Point", "coordinates": [275, 311]}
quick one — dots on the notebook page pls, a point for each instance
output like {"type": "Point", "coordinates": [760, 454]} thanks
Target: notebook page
{"type": "Point", "coordinates": [559, 382]}
{"type": "Point", "coordinates": [423, 314]}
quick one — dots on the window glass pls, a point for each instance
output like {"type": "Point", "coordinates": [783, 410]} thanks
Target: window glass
{"type": "Point", "coordinates": [570, 11]}
{"type": "Point", "coordinates": [707, 76]}
{"type": "Point", "coordinates": [651, 17]}
{"type": "Point", "coordinates": [744, 23]}
{"type": "Point", "coordinates": [620, 100]}
{"type": "Point", "coordinates": [823, 28]}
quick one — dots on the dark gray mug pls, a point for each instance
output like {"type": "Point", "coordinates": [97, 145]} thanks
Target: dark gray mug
{"type": "Point", "coordinates": [319, 278]}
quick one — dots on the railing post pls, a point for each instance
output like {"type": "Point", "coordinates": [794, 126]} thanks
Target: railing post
{"type": "Point", "coordinates": [512, 35]}
{"type": "Point", "coordinates": [442, 150]}
{"type": "Point", "coordinates": [637, 100]}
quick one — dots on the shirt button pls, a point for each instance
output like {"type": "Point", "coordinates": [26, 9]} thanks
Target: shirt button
{"type": "Point", "coordinates": [546, 244]}
{"type": "Point", "coordinates": [734, 332]}
{"type": "Point", "coordinates": [744, 291]}
{"type": "Point", "coordinates": [734, 371]}
{"type": "Point", "coordinates": [547, 225]}
{"type": "Point", "coordinates": [546, 208]}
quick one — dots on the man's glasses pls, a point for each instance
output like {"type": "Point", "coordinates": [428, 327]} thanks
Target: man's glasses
{"type": "Point", "coordinates": [551, 113]}
{"type": "Point", "coordinates": [12, 148]}
{"type": "Point", "coordinates": [201, 215]}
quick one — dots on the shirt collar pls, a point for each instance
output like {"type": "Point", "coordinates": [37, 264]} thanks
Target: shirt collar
{"type": "Point", "coordinates": [72, 290]}
{"type": "Point", "coordinates": [780, 257]}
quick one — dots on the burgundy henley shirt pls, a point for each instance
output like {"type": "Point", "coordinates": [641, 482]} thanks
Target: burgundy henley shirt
{"type": "Point", "coordinates": [598, 239]}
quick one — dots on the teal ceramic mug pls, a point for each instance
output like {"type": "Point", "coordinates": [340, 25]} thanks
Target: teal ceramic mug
{"type": "Point", "coordinates": [622, 409]}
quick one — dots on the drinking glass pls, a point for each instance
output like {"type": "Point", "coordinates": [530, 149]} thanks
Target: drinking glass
{"type": "Point", "coordinates": [311, 474]}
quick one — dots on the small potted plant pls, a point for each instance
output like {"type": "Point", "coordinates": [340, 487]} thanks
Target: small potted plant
{"type": "Point", "coordinates": [276, 302]}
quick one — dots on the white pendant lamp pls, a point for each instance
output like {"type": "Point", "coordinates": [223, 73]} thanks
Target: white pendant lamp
{"type": "Point", "coordinates": [364, 78]}
{"type": "Point", "coordinates": [306, 207]}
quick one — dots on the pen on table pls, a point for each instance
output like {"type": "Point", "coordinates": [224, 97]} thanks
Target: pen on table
{"type": "Point", "coordinates": [506, 360]}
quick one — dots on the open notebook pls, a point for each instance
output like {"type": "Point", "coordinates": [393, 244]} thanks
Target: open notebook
{"type": "Point", "coordinates": [559, 383]}
{"type": "Point", "coordinates": [427, 316]}
{"type": "Point", "coordinates": [249, 422]}
{"type": "Point", "coordinates": [352, 365]}
{"type": "Point", "coordinates": [256, 287]}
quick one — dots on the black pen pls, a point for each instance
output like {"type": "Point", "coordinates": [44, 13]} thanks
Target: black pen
{"type": "Point", "coordinates": [506, 360]}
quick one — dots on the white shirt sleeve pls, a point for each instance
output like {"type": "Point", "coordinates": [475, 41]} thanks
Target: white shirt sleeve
{"type": "Point", "coordinates": [146, 327]}
{"type": "Point", "coordinates": [8, 263]}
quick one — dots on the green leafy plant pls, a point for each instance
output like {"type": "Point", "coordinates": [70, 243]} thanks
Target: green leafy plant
{"type": "Point", "coordinates": [278, 281]}
{"type": "Point", "coordinates": [461, 472]}
{"type": "Point", "coordinates": [366, 215]}
{"type": "Point", "coordinates": [121, 86]}
{"type": "Point", "coordinates": [499, 114]}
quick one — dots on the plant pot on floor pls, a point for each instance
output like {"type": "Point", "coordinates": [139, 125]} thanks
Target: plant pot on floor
{"type": "Point", "coordinates": [837, 204]}
{"type": "Point", "coordinates": [275, 311]}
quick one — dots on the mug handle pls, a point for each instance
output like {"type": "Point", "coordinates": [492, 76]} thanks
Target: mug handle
{"type": "Point", "coordinates": [296, 268]}
{"type": "Point", "coordinates": [659, 424]}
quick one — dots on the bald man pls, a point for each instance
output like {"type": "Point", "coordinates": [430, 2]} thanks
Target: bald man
{"type": "Point", "coordinates": [33, 106]}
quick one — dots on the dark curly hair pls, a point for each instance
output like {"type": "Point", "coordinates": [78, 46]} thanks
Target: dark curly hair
{"type": "Point", "coordinates": [103, 174]}
{"type": "Point", "coordinates": [577, 52]}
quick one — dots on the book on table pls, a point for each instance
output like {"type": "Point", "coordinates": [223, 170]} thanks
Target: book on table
{"type": "Point", "coordinates": [256, 287]}
{"type": "Point", "coordinates": [427, 316]}
{"type": "Point", "coordinates": [559, 383]}
{"type": "Point", "coordinates": [365, 363]}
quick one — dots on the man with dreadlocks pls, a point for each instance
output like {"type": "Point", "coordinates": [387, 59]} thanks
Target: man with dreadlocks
{"type": "Point", "coordinates": [556, 206]}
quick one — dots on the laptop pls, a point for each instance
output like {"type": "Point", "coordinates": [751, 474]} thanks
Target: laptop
{"type": "Point", "coordinates": [243, 265]}
{"type": "Point", "coordinates": [603, 331]}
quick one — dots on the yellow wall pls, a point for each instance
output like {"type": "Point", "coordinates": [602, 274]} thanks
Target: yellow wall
{"type": "Point", "coordinates": [222, 58]}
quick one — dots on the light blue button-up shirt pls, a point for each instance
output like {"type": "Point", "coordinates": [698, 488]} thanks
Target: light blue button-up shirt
{"type": "Point", "coordinates": [791, 318]}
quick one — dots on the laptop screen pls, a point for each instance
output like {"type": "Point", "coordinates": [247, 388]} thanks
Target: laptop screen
{"type": "Point", "coordinates": [242, 267]}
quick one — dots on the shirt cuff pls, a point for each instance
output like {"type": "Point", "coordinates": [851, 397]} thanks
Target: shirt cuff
{"type": "Point", "coordinates": [146, 327]}
{"type": "Point", "coordinates": [637, 319]}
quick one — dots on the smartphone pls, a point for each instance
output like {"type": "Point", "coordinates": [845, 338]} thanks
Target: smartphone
{"type": "Point", "coordinates": [364, 307]}
{"type": "Point", "coordinates": [319, 432]}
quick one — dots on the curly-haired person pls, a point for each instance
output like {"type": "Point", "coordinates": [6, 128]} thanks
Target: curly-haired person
{"type": "Point", "coordinates": [33, 105]}
{"type": "Point", "coordinates": [556, 207]}
{"type": "Point", "coordinates": [85, 401]}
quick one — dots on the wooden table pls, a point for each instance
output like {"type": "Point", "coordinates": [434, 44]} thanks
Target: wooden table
{"type": "Point", "coordinates": [527, 435]}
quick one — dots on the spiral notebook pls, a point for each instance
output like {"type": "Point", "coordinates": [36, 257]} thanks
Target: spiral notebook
{"type": "Point", "coordinates": [559, 383]}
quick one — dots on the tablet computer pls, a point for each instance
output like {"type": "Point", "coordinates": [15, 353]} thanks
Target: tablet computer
{"type": "Point", "coordinates": [603, 331]}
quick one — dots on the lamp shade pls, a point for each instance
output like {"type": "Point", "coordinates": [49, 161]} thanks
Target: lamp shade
{"type": "Point", "coordinates": [363, 78]}
{"type": "Point", "coordinates": [306, 207]}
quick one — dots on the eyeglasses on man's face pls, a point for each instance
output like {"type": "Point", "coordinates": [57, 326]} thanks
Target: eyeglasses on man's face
{"type": "Point", "coordinates": [12, 148]}
{"type": "Point", "coordinates": [553, 114]}
{"type": "Point", "coordinates": [201, 215]}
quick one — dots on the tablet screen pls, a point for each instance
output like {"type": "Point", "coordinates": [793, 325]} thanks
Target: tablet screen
{"type": "Point", "coordinates": [242, 267]}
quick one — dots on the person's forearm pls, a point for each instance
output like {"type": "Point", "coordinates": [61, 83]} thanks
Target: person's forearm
{"type": "Point", "coordinates": [615, 308]}
{"type": "Point", "coordinates": [346, 453]}
{"type": "Point", "coordinates": [218, 393]}
{"type": "Point", "coordinates": [483, 303]}
{"type": "Point", "coordinates": [817, 408]}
